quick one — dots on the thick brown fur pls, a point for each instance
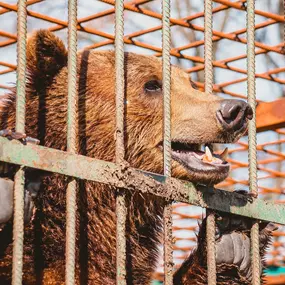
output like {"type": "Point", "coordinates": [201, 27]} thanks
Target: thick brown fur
{"type": "Point", "coordinates": [193, 116]}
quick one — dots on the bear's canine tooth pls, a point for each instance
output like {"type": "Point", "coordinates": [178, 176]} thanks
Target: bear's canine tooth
{"type": "Point", "coordinates": [208, 155]}
{"type": "Point", "coordinates": [224, 154]}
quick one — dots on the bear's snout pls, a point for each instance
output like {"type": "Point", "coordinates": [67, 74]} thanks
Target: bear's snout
{"type": "Point", "coordinates": [233, 114]}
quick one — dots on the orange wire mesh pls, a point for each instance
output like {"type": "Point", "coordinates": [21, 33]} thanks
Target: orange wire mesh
{"type": "Point", "coordinates": [95, 30]}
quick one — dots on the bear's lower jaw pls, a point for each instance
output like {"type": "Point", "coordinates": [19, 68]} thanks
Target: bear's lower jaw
{"type": "Point", "coordinates": [209, 178]}
{"type": "Point", "coordinates": [196, 165]}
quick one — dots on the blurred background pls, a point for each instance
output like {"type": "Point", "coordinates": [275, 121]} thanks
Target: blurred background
{"type": "Point", "coordinates": [143, 35]}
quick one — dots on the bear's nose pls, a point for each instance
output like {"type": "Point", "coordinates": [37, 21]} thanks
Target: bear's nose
{"type": "Point", "coordinates": [233, 114]}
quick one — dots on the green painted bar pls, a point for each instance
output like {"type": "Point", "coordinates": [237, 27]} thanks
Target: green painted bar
{"type": "Point", "coordinates": [82, 167]}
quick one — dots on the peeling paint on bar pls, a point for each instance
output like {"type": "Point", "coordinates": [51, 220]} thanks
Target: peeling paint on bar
{"type": "Point", "coordinates": [82, 167]}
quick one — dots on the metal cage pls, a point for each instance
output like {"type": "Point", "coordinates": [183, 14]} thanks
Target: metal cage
{"type": "Point", "coordinates": [118, 174]}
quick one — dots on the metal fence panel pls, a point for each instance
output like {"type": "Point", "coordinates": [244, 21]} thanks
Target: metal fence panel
{"type": "Point", "coordinates": [120, 175]}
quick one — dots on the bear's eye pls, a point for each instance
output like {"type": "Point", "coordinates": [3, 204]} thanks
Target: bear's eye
{"type": "Point", "coordinates": [153, 86]}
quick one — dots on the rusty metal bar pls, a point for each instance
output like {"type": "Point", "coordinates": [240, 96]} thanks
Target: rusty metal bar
{"type": "Point", "coordinates": [71, 142]}
{"type": "Point", "coordinates": [121, 211]}
{"type": "Point", "coordinates": [18, 225]}
{"type": "Point", "coordinates": [61, 162]}
{"type": "Point", "coordinates": [216, 38]}
{"type": "Point", "coordinates": [168, 245]}
{"type": "Point", "coordinates": [182, 23]}
{"type": "Point", "coordinates": [174, 52]}
{"type": "Point", "coordinates": [93, 31]}
{"type": "Point", "coordinates": [240, 6]}
{"type": "Point", "coordinates": [4, 10]}
{"type": "Point", "coordinates": [209, 79]}
{"type": "Point", "coordinates": [62, 24]}
{"type": "Point", "coordinates": [208, 53]}
{"type": "Point", "coordinates": [166, 87]}
{"type": "Point", "coordinates": [109, 12]}
{"type": "Point", "coordinates": [186, 19]}
{"type": "Point", "coordinates": [255, 261]}
{"type": "Point", "coordinates": [211, 247]}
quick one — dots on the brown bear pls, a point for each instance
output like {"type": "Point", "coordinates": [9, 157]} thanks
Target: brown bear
{"type": "Point", "coordinates": [197, 121]}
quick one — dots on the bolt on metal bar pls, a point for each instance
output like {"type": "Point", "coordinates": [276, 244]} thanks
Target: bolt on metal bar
{"type": "Point", "coordinates": [209, 79]}
{"type": "Point", "coordinates": [166, 87]}
{"type": "Point", "coordinates": [121, 211]}
{"type": "Point", "coordinates": [18, 226]}
{"type": "Point", "coordinates": [71, 142]}
{"type": "Point", "coordinates": [255, 255]}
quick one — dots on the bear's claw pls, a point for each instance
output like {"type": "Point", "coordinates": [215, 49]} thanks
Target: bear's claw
{"type": "Point", "coordinates": [7, 133]}
{"type": "Point", "coordinates": [250, 196]}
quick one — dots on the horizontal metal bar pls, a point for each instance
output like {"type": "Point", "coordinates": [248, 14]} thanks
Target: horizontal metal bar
{"type": "Point", "coordinates": [82, 167]}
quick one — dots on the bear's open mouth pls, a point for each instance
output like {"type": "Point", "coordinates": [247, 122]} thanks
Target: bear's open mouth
{"type": "Point", "coordinates": [200, 158]}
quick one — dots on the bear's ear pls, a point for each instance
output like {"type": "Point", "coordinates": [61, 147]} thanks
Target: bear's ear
{"type": "Point", "coordinates": [46, 56]}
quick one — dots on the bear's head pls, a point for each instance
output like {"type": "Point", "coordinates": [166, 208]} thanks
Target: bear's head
{"type": "Point", "coordinates": [197, 119]}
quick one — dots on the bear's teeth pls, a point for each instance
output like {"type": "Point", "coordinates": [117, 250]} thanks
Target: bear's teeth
{"type": "Point", "coordinates": [224, 154]}
{"type": "Point", "coordinates": [208, 155]}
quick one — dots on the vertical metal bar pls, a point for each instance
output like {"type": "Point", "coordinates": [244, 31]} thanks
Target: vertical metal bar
{"type": "Point", "coordinates": [208, 35]}
{"type": "Point", "coordinates": [209, 78]}
{"type": "Point", "coordinates": [166, 86]}
{"type": "Point", "coordinates": [252, 136]}
{"type": "Point", "coordinates": [211, 248]}
{"type": "Point", "coordinates": [168, 245]}
{"type": "Point", "coordinates": [18, 227]}
{"type": "Point", "coordinates": [121, 213]}
{"type": "Point", "coordinates": [71, 141]}
{"type": "Point", "coordinates": [121, 210]}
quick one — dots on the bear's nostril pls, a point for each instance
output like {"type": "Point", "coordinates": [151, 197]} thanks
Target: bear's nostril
{"type": "Point", "coordinates": [232, 114]}
{"type": "Point", "coordinates": [249, 113]}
